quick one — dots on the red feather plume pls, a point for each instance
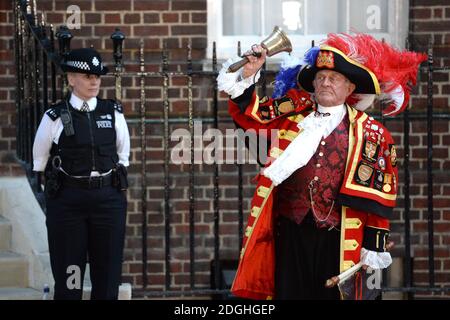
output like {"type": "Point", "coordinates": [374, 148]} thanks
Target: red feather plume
{"type": "Point", "coordinates": [396, 70]}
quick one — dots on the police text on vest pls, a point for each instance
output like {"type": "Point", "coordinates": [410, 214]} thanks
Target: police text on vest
{"type": "Point", "coordinates": [104, 124]}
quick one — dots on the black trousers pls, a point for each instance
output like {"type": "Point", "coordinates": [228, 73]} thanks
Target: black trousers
{"type": "Point", "coordinates": [82, 225]}
{"type": "Point", "coordinates": [306, 256]}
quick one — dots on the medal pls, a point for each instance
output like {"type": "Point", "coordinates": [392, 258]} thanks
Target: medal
{"type": "Point", "coordinates": [387, 182]}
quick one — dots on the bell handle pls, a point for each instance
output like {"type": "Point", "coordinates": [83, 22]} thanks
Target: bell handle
{"type": "Point", "coordinates": [237, 65]}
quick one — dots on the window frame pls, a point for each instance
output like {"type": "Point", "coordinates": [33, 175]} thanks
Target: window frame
{"type": "Point", "coordinates": [226, 46]}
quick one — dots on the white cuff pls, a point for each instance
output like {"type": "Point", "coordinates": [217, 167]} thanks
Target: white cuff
{"type": "Point", "coordinates": [231, 83]}
{"type": "Point", "coordinates": [375, 260]}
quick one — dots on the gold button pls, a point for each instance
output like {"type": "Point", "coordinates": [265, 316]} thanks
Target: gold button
{"type": "Point", "coordinates": [322, 143]}
{"type": "Point", "coordinates": [318, 165]}
{"type": "Point", "coordinates": [316, 178]}
{"type": "Point", "coordinates": [321, 154]}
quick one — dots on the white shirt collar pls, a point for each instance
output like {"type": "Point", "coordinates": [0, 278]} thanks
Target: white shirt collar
{"type": "Point", "coordinates": [333, 111]}
{"type": "Point", "coordinates": [336, 114]}
{"type": "Point", "coordinates": [77, 102]}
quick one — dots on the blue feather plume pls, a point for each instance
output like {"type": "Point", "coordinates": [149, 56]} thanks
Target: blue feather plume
{"type": "Point", "coordinates": [287, 76]}
{"type": "Point", "coordinates": [286, 79]}
{"type": "Point", "coordinates": [311, 55]}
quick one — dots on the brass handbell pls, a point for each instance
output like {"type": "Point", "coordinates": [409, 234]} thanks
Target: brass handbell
{"type": "Point", "coordinates": [275, 43]}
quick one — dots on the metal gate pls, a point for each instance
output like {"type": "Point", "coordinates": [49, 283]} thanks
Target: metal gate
{"type": "Point", "coordinates": [40, 82]}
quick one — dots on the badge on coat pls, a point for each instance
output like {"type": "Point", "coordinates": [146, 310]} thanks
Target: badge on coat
{"type": "Point", "coordinates": [370, 151]}
{"type": "Point", "coordinates": [364, 174]}
{"type": "Point", "coordinates": [266, 112]}
{"type": "Point", "coordinates": [283, 105]}
{"type": "Point", "coordinates": [378, 181]}
{"type": "Point", "coordinates": [382, 163]}
{"type": "Point", "coordinates": [263, 100]}
{"type": "Point", "coordinates": [393, 152]}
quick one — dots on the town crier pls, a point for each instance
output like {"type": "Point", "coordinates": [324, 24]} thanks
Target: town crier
{"type": "Point", "coordinates": [325, 195]}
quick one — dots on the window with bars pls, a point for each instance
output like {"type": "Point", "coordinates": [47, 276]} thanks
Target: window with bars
{"type": "Point", "coordinates": [250, 21]}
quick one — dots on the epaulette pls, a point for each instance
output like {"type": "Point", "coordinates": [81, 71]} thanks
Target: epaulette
{"type": "Point", "coordinates": [54, 111]}
{"type": "Point", "coordinates": [117, 105]}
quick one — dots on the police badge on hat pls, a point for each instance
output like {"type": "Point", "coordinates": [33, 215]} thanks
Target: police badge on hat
{"type": "Point", "coordinates": [84, 60]}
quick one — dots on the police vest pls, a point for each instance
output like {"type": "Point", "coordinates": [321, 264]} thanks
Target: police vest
{"type": "Point", "coordinates": [93, 146]}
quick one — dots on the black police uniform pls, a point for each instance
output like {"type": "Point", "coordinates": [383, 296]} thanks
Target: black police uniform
{"type": "Point", "coordinates": [86, 215]}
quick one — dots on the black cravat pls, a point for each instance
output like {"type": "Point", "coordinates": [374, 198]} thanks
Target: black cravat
{"type": "Point", "coordinates": [321, 114]}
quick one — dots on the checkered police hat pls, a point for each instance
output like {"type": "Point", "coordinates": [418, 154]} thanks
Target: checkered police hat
{"type": "Point", "coordinates": [85, 60]}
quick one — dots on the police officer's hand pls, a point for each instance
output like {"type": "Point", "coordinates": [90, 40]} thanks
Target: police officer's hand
{"type": "Point", "coordinates": [255, 63]}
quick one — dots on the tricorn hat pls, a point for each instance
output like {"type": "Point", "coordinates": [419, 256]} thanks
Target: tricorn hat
{"type": "Point", "coordinates": [329, 58]}
{"type": "Point", "coordinates": [375, 67]}
{"type": "Point", "coordinates": [84, 60]}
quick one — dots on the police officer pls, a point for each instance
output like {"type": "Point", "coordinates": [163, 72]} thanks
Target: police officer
{"type": "Point", "coordinates": [83, 144]}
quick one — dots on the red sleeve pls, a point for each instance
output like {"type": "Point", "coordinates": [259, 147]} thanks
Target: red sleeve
{"type": "Point", "coordinates": [268, 113]}
{"type": "Point", "coordinates": [247, 122]}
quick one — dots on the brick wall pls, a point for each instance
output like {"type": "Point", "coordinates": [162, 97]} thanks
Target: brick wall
{"type": "Point", "coordinates": [173, 24]}
{"type": "Point", "coordinates": [8, 163]}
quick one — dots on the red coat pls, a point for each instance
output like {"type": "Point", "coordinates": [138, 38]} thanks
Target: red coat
{"type": "Point", "coordinates": [367, 195]}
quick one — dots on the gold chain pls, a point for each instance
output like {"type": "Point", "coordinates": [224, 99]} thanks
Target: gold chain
{"type": "Point", "coordinates": [311, 186]}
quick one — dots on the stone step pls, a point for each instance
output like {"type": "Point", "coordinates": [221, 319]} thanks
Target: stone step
{"type": "Point", "coordinates": [13, 270]}
{"type": "Point", "coordinates": [20, 294]}
{"type": "Point", "coordinates": [5, 234]}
